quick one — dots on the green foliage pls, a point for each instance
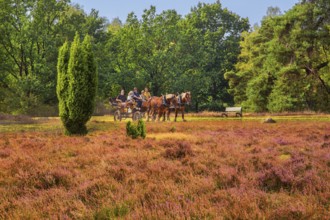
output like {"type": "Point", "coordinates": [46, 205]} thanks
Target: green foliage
{"type": "Point", "coordinates": [173, 129]}
{"type": "Point", "coordinates": [141, 127]}
{"type": "Point", "coordinates": [136, 130]}
{"type": "Point", "coordinates": [63, 81]}
{"type": "Point", "coordinates": [32, 31]}
{"type": "Point", "coordinates": [117, 211]}
{"type": "Point", "coordinates": [284, 64]}
{"type": "Point", "coordinates": [167, 52]}
{"type": "Point", "coordinates": [76, 85]}
{"type": "Point", "coordinates": [171, 53]}
{"type": "Point", "coordinates": [131, 130]}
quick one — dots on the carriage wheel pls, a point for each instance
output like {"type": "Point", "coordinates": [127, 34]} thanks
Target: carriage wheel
{"type": "Point", "coordinates": [117, 116]}
{"type": "Point", "coordinates": [136, 116]}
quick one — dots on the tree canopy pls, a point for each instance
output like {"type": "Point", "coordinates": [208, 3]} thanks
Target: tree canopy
{"type": "Point", "coordinates": [282, 65]}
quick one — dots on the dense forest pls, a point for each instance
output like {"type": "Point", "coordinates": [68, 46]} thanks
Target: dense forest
{"type": "Point", "coordinates": [281, 65]}
{"type": "Point", "coordinates": [284, 64]}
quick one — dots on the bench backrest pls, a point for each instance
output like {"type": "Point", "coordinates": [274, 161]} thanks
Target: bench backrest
{"type": "Point", "coordinates": [233, 109]}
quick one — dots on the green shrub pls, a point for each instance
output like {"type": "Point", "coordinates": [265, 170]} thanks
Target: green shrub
{"type": "Point", "coordinates": [118, 211]}
{"type": "Point", "coordinates": [131, 130]}
{"type": "Point", "coordinates": [141, 127]}
{"type": "Point", "coordinates": [76, 85]}
{"type": "Point", "coordinates": [173, 129]}
{"type": "Point", "coordinates": [136, 130]}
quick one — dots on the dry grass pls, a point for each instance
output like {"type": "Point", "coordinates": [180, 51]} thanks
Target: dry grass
{"type": "Point", "coordinates": [15, 119]}
{"type": "Point", "coordinates": [226, 169]}
{"type": "Point", "coordinates": [307, 115]}
{"type": "Point", "coordinates": [172, 135]}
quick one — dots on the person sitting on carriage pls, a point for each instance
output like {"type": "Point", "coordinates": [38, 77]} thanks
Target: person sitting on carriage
{"type": "Point", "coordinates": [121, 97]}
{"type": "Point", "coordinates": [137, 97]}
{"type": "Point", "coordinates": [130, 96]}
{"type": "Point", "coordinates": [121, 100]}
{"type": "Point", "coordinates": [142, 96]}
{"type": "Point", "coordinates": [146, 94]}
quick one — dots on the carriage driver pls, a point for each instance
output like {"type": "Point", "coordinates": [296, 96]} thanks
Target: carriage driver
{"type": "Point", "coordinates": [137, 97]}
{"type": "Point", "coordinates": [121, 97]}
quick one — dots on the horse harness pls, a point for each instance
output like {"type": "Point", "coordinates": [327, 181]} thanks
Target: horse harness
{"type": "Point", "coordinates": [164, 97]}
{"type": "Point", "coordinates": [180, 102]}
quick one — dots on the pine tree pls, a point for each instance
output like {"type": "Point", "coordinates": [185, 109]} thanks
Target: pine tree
{"type": "Point", "coordinates": [77, 91]}
{"type": "Point", "coordinates": [63, 81]}
{"type": "Point", "coordinates": [90, 77]}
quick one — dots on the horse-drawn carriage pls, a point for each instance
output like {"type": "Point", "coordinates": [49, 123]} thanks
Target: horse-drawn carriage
{"type": "Point", "coordinates": [155, 106]}
{"type": "Point", "coordinates": [126, 110]}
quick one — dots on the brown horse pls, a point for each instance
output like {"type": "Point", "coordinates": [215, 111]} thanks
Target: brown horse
{"type": "Point", "coordinates": [144, 107]}
{"type": "Point", "coordinates": [160, 105]}
{"type": "Point", "coordinates": [179, 104]}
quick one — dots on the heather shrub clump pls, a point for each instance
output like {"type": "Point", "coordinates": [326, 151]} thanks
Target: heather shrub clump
{"type": "Point", "coordinates": [276, 178]}
{"type": "Point", "coordinates": [136, 130]}
{"type": "Point", "coordinates": [52, 179]}
{"type": "Point", "coordinates": [295, 175]}
{"type": "Point", "coordinates": [182, 150]}
{"type": "Point", "coordinates": [226, 178]}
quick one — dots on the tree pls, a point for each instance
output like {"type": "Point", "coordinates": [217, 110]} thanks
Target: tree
{"type": "Point", "coordinates": [144, 50]}
{"type": "Point", "coordinates": [284, 65]}
{"type": "Point", "coordinates": [63, 82]}
{"type": "Point", "coordinates": [76, 88]}
{"type": "Point", "coordinates": [29, 41]}
{"type": "Point", "coordinates": [302, 36]}
{"type": "Point", "coordinates": [219, 32]}
{"type": "Point", "coordinates": [174, 54]}
{"type": "Point", "coordinates": [31, 33]}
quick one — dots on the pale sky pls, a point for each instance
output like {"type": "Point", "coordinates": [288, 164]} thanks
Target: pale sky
{"type": "Point", "coordinates": [253, 9]}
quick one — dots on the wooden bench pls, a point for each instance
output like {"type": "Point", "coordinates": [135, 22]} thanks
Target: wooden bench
{"type": "Point", "coordinates": [236, 110]}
